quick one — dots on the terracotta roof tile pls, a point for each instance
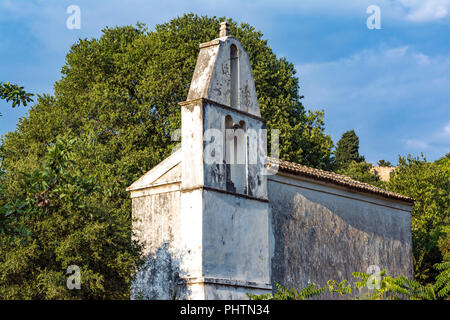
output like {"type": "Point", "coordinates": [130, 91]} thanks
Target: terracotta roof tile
{"type": "Point", "coordinates": [339, 179]}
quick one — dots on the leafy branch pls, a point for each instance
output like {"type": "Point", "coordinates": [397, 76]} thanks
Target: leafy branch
{"type": "Point", "coordinates": [384, 288]}
{"type": "Point", "coordinates": [14, 93]}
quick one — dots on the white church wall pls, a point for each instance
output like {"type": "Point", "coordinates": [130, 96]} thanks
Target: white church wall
{"type": "Point", "coordinates": [207, 237]}
{"type": "Point", "coordinates": [253, 174]}
{"type": "Point", "coordinates": [212, 77]}
{"type": "Point", "coordinates": [191, 234]}
{"type": "Point", "coordinates": [235, 239]}
{"type": "Point", "coordinates": [156, 224]}
{"type": "Point", "coordinates": [192, 145]}
{"type": "Point", "coordinates": [322, 232]}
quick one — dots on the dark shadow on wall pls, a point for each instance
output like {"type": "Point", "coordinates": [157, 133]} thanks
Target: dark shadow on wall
{"type": "Point", "coordinates": [159, 277]}
{"type": "Point", "coordinates": [317, 239]}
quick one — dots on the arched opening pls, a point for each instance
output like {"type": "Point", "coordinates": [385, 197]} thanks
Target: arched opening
{"type": "Point", "coordinates": [235, 155]}
{"type": "Point", "coordinates": [234, 70]}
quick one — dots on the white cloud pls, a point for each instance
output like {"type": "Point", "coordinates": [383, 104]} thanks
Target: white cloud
{"type": "Point", "coordinates": [416, 145]}
{"type": "Point", "coordinates": [438, 139]}
{"type": "Point", "coordinates": [381, 74]}
{"type": "Point", "coordinates": [399, 85]}
{"type": "Point", "coordinates": [410, 10]}
{"type": "Point", "coordinates": [394, 97]}
{"type": "Point", "coordinates": [426, 10]}
{"type": "Point", "coordinates": [447, 129]}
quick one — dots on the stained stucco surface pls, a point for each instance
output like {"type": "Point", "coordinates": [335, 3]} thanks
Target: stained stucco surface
{"type": "Point", "coordinates": [318, 235]}
{"type": "Point", "coordinates": [214, 173]}
{"type": "Point", "coordinates": [235, 238]}
{"type": "Point", "coordinates": [156, 224]}
{"type": "Point", "coordinates": [212, 76]}
{"type": "Point", "coordinates": [211, 234]}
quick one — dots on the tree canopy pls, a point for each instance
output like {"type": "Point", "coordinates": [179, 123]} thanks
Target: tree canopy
{"type": "Point", "coordinates": [361, 171]}
{"type": "Point", "coordinates": [384, 163]}
{"type": "Point", "coordinates": [118, 96]}
{"type": "Point", "coordinates": [429, 184]}
{"type": "Point", "coordinates": [122, 90]}
{"type": "Point", "coordinates": [347, 150]}
{"type": "Point", "coordinates": [14, 93]}
{"type": "Point", "coordinates": [60, 219]}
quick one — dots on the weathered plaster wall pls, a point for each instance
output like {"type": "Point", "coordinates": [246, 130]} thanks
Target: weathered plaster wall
{"type": "Point", "coordinates": [223, 292]}
{"type": "Point", "coordinates": [384, 173]}
{"type": "Point", "coordinates": [212, 75]}
{"type": "Point", "coordinates": [192, 145]}
{"type": "Point", "coordinates": [202, 73]}
{"type": "Point", "coordinates": [156, 224]}
{"type": "Point", "coordinates": [202, 241]}
{"type": "Point", "coordinates": [214, 173]}
{"type": "Point", "coordinates": [219, 89]}
{"type": "Point", "coordinates": [321, 232]}
{"type": "Point", "coordinates": [235, 238]}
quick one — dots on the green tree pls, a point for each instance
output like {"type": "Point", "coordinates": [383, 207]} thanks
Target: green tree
{"type": "Point", "coordinates": [122, 91]}
{"type": "Point", "coordinates": [310, 291]}
{"type": "Point", "coordinates": [119, 96]}
{"type": "Point", "coordinates": [14, 93]}
{"type": "Point", "coordinates": [444, 162]}
{"type": "Point", "coordinates": [384, 163]}
{"type": "Point", "coordinates": [3, 218]}
{"type": "Point", "coordinates": [442, 284]}
{"type": "Point", "coordinates": [429, 184]}
{"type": "Point", "coordinates": [60, 219]}
{"type": "Point", "coordinates": [383, 288]}
{"type": "Point", "coordinates": [361, 171]}
{"type": "Point", "coordinates": [347, 150]}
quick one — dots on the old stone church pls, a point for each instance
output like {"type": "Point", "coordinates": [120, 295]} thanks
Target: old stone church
{"type": "Point", "coordinates": [219, 218]}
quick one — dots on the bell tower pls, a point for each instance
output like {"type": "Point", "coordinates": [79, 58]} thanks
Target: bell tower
{"type": "Point", "coordinates": [224, 202]}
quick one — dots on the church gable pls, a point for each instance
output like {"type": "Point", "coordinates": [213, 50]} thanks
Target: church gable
{"type": "Point", "coordinates": [223, 74]}
{"type": "Point", "coordinates": [168, 171]}
{"type": "Point", "coordinates": [228, 226]}
{"type": "Point", "coordinates": [171, 176]}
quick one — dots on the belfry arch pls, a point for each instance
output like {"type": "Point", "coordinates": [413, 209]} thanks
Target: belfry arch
{"type": "Point", "coordinates": [236, 155]}
{"type": "Point", "coordinates": [234, 71]}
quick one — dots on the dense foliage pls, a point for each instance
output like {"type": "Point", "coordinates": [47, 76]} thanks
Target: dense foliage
{"type": "Point", "coordinates": [118, 96]}
{"type": "Point", "coordinates": [14, 93]}
{"type": "Point", "coordinates": [61, 218]}
{"type": "Point", "coordinates": [429, 184]}
{"type": "Point", "coordinates": [347, 150]}
{"type": "Point", "coordinates": [368, 287]}
{"type": "Point", "coordinates": [361, 171]}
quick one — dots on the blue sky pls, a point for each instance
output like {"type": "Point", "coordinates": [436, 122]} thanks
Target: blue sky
{"type": "Point", "coordinates": [392, 85]}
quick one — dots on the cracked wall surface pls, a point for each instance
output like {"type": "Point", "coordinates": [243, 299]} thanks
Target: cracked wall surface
{"type": "Point", "coordinates": [156, 225]}
{"type": "Point", "coordinates": [209, 234]}
{"type": "Point", "coordinates": [321, 233]}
